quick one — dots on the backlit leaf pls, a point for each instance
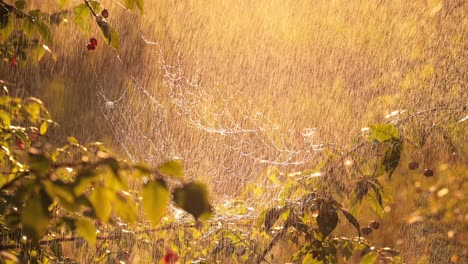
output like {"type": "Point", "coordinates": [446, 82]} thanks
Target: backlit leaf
{"type": "Point", "coordinates": [124, 207]}
{"type": "Point", "coordinates": [43, 128]}
{"type": "Point", "coordinates": [369, 258]}
{"type": "Point", "coordinates": [384, 132]}
{"type": "Point", "coordinates": [155, 200]}
{"type": "Point", "coordinates": [86, 229]}
{"type": "Point", "coordinates": [172, 168]}
{"type": "Point", "coordinates": [81, 17]}
{"type": "Point", "coordinates": [129, 3]}
{"type": "Point", "coordinates": [62, 3]}
{"type": "Point", "coordinates": [110, 35]}
{"type": "Point", "coordinates": [101, 198]}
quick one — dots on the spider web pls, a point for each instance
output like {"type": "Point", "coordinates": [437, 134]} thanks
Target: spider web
{"type": "Point", "coordinates": [240, 144]}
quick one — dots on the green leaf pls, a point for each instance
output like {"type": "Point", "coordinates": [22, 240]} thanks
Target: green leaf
{"type": "Point", "coordinates": [369, 258]}
{"type": "Point", "coordinates": [6, 27]}
{"type": "Point", "coordinates": [129, 4]}
{"type": "Point", "coordinates": [84, 179]}
{"type": "Point", "coordinates": [309, 259]}
{"type": "Point", "coordinates": [20, 4]}
{"type": "Point", "coordinates": [35, 216]}
{"type": "Point", "coordinates": [327, 219]}
{"type": "Point", "coordinates": [155, 200]}
{"type": "Point", "coordinates": [193, 198]}
{"type": "Point", "coordinates": [5, 118]}
{"type": "Point", "coordinates": [63, 193]}
{"type": "Point", "coordinates": [172, 168]}
{"type": "Point", "coordinates": [72, 140]}
{"type": "Point", "coordinates": [45, 32]}
{"type": "Point", "coordinates": [124, 207]}
{"type": "Point", "coordinates": [86, 229]}
{"type": "Point", "coordinates": [81, 18]}
{"type": "Point", "coordinates": [391, 158]}
{"type": "Point", "coordinates": [43, 128]}
{"type": "Point", "coordinates": [34, 111]}
{"type": "Point", "coordinates": [140, 4]}
{"type": "Point", "coordinates": [101, 198]}
{"type": "Point", "coordinates": [384, 132]}
{"type": "Point", "coordinates": [38, 162]}
{"type": "Point", "coordinates": [96, 6]}
{"type": "Point", "coordinates": [62, 3]}
{"type": "Point", "coordinates": [110, 35]}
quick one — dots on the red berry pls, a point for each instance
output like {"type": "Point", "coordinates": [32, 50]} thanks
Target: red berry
{"type": "Point", "coordinates": [14, 61]}
{"type": "Point", "coordinates": [170, 257]}
{"type": "Point", "coordinates": [90, 46]}
{"type": "Point", "coordinates": [105, 13]}
{"type": "Point", "coordinates": [20, 144]}
{"type": "Point", "coordinates": [93, 41]}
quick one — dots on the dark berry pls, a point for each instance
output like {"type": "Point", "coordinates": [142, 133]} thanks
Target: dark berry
{"type": "Point", "coordinates": [366, 230]}
{"type": "Point", "coordinates": [105, 13]}
{"type": "Point", "coordinates": [93, 41]}
{"type": "Point", "coordinates": [375, 225]}
{"type": "Point", "coordinates": [413, 165]}
{"type": "Point", "coordinates": [90, 46]}
{"type": "Point", "coordinates": [428, 173]}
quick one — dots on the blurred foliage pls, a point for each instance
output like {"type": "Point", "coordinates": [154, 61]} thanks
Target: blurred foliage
{"type": "Point", "coordinates": [47, 190]}
{"type": "Point", "coordinates": [25, 29]}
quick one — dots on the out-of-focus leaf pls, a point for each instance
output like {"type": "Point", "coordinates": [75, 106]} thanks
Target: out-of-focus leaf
{"type": "Point", "coordinates": [155, 200]}
{"type": "Point", "coordinates": [81, 17]}
{"type": "Point", "coordinates": [38, 162]}
{"type": "Point", "coordinates": [5, 118]}
{"type": "Point", "coordinates": [62, 3]}
{"type": "Point", "coordinates": [20, 4]}
{"type": "Point", "coordinates": [72, 140]}
{"type": "Point", "coordinates": [172, 168]}
{"type": "Point", "coordinates": [369, 258]}
{"type": "Point", "coordinates": [83, 180]}
{"type": "Point", "coordinates": [43, 128]}
{"type": "Point", "coordinates": [309, 259]}
{"type": "Point", "coordinates": [124, 207]}
{"type": "Point", "coordinates": [34, 110]}
{"type": "Point", "coordinates": [35, 216]}
{"type": "Point", "coordinates": [129, 4]}
{"type": "Point", "coordinates": [86, 229]}
{"type": "Point", "coordinates": [63, 193]}
{"type": "Point", "coordinates": [102, 198]}
{"type": "Point", "coordinates": [193, 198]}
{"type": "Point", "coordinates": [140, 4]}
{"type": "Point", "coordinates": [384, 132]}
